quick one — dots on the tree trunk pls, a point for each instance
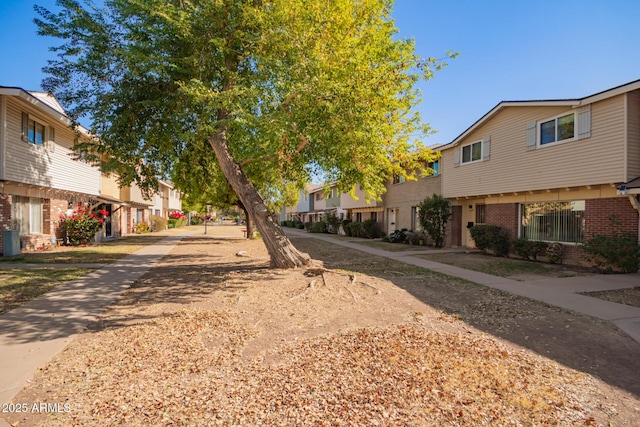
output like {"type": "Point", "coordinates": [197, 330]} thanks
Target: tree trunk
{"type": "Point", "coordinates": [282, 252]}
{"type": "Point", "coordinates": [249, 225]}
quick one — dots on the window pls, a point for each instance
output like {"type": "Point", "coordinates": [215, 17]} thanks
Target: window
{"type": "Point", "coordinates": [472, 152]}
{"type": "Point", "coordinates": [398, 179]}
{"type": "Point", "coordinates": [27, 215]}
{"type": "Point", "coordinates": [558, 129]}
{"type": "Point", "coordinates": [436, 167]}
{"type": "Point", "coordinates": [481, 214]}
{"type": "Point", "coordinates": [35, 133]}
{"type": "Point", "coordinates": [374, 216]}
{"type": "Point", "coordinates": [358, 216]}
{"type": "Point", "coordinates": [553, 221]}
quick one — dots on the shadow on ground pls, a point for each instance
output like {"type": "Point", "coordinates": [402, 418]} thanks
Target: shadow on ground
{"type": "Point", "coordinates": [580, 342]}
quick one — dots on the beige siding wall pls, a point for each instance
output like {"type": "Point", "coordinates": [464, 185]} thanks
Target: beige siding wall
{"type": "Point", "coordinates": [633, 135]}
{"type": "Point", "coordinates": [402, 197]}
{"type": "Point", "coordinates": [348, 202]}
{"type": "Point", "coordinates": [319, 204]}
{"type": "Point", "coordinates": [48, 165]}
{"type": "Point", "coordinates": [109, 186]}
{"type": "Point", "coordinates": [134, 194]}
{"type": "Point", "coordinates": [598, 159]}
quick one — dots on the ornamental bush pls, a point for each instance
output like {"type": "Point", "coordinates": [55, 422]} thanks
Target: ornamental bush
{"type": "Point", "coordinates": [434, 213]}
{"type": "Point", "coordinates": [157, 223]}
{"type": "Point", "coordinates": [177, 219]}
{"type": "Point", "coordinates": [616, 253]}
{"type": "Point", "coordinates": [491, 237]}
{"type": "Point", "coordinates": [528, 249]}
{"type": "Point", "coordinates": [82, 225]}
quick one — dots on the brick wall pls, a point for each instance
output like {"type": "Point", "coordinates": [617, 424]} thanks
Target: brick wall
{"type": "Point", "coordinates": [58, 208]}
{"type": "Point", "coordinates": [5, 212]}
{"type": "Point", "coordinates": [504, 215]}
{"type": "Point", "coordinates": [605, 216]}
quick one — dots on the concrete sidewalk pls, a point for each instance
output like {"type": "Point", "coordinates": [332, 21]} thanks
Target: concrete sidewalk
{"type": "Point", "coordinates": [559, 292]}
{"type": "Point", "coordinates": [35, 332]}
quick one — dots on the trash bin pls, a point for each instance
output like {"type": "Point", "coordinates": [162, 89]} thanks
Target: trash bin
{"type": "Point", "coordinates": [10, 242]}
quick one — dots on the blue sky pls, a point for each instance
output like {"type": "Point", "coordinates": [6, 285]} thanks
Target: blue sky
{"type": "Point", "coordinates": [509, 50]}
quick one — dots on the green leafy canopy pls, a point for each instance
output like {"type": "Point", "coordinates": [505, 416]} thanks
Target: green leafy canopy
{"type": "Point", "coordinates": [312, 88]}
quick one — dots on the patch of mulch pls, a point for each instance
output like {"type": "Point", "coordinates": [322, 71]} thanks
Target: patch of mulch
{"type": "Point", "coordinates": [208, 338]}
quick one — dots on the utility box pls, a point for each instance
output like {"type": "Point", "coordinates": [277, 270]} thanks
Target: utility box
{"type": "Point", "coordinates": [10, 242]}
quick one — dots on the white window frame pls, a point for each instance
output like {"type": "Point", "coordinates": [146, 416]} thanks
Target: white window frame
{"type": "Point", "coordinates": [462, 162]}
{"type": "Point", "coordinates": [539, 124]}
{"type": "Point", "coordinates": [31, 225]}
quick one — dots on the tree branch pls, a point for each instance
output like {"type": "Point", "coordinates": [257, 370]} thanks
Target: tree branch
{"type": "Point", "coordinates": [303, 143]}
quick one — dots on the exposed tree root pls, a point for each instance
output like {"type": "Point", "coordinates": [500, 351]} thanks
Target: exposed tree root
{"type": "Point", "coordinates": [301, 294]}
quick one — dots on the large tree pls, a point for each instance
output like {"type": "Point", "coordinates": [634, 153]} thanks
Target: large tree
{"type": "Point", "coordinates": [276, 91]}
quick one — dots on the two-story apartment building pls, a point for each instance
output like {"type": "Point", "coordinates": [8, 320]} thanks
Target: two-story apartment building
{"type": "Point", "coordinates": [166, 201]}
{"type": "Point", "coordinates": [551, 170]}
{"type": "Point", "coordinates": [39, 178]}
{"type": "Point", "coordinates": [42, 179]}
{"type": "Point", "coordinates": [402, 198]}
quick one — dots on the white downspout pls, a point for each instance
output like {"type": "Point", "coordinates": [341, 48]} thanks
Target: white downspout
{"type": "Point", "coordinates": [636, 205]}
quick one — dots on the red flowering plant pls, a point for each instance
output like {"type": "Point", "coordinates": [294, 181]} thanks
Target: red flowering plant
{"type": "Point", "coordinates": [82, 225]}
{"type": "Point", "coordinates": [177, 219]}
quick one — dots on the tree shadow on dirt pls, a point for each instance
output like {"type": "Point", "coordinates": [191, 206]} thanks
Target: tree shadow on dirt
{"type": "Point", "coordinates": [580, 342]}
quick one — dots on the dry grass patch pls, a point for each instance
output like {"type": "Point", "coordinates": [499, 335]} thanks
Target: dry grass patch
{"type": "Point", "coordinates": [209, 338]}
{"type": "Point", "coordinates": [621, 296]}
{"type": "Point", "coordinates": [18, 286]}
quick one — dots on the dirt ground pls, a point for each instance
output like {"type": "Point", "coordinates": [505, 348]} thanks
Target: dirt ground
{"type": "Point", "coordinates": [213, 338]}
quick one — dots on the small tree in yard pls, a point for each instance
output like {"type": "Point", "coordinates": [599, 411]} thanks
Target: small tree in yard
{"type": "Point", "coordinates": [255, 95]}
{"type": "Point", "coordinates": [434, 213]}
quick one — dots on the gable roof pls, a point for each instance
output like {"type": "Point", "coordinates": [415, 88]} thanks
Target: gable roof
{"type": "Point", "coordinates": [574, 103]}
{"type": "Point", "coordinates": [44, 102]}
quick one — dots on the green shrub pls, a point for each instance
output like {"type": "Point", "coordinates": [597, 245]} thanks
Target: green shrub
{"type": "Point", "coordinates": [398, 236]}
{"type": "Point", "coordinates": [616, 253]}
{"type": "Point", "coordinates": [372, 229]}
{"type": "Point", "coordinates": [307, 225]}
{"type": "Point", "coordinates": [369, 229]}
{"type": "Point", "coordinates": [196, 220]}
{"type": "Point", "coordinates": [333, 223]}
{"type": "Point", "coordinates": [318, 227]}
{"type": "Point", "coordinates": [484, 236]}
{"type": "Point", "coordinates": [491, 237]}
{"type": "Point", "coordinates": [299, 225]}
{"type": "Point", "coordinates": [528, 249]}
{"type": "Point", "coordinates": [141, 228]}
{"type": "Point", "coordinates": [434, 213]}
{"type": "Point", "coordinates": [157, 223]}
{"type": "Point", "coordinates": [554, 253]}
{"type": "Point", "coordinates": [356, 229]}
{"type": "Point", "coordinates": [417, 238]}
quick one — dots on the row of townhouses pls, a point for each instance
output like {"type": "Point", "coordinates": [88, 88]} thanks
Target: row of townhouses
{"type": "Point", "coordinates": [550, 170]}
{"type": "Point", "coordinates": [42, 180]}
